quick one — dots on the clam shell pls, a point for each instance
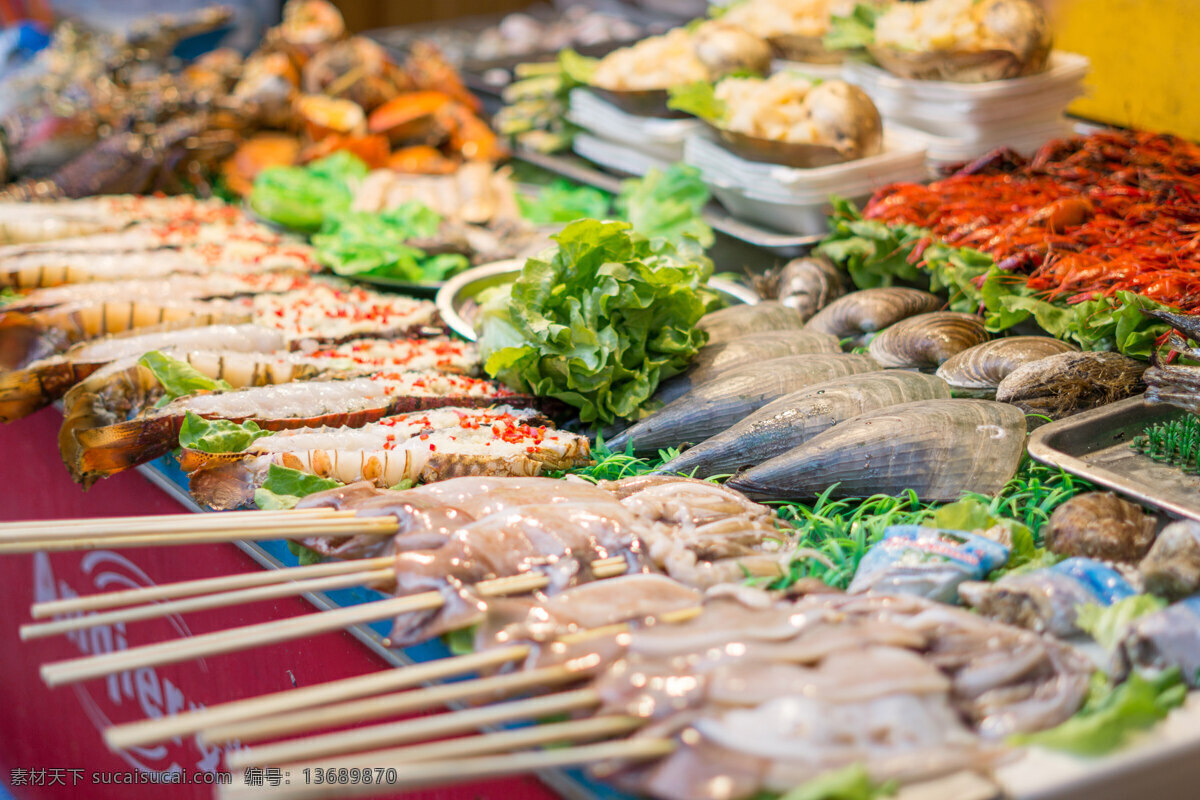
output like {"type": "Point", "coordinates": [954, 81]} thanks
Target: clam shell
{"type": "Point", "coordinates": [797, 417]}
{"type": "Point", "coordinates": [871, 310]}
{"type": "Point", "coordinates": [1065, 384]}
{"type": "Point", "coordinates": [982, 367]}
{"type": "Point", "coordinates": [730, 323]}
{"type": "Point", "coordinates": [927, 340]}
{"type": "Point", "coordinates": [714, 359]}
{"type": "Point", "coordinates": [713, 407]}
{"type": "Point", "coordinates": [937, 448]}
{"type": "Point", "coordinates": [809, 284]}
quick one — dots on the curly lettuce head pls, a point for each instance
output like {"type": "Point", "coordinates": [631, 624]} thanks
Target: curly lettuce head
{"type": "Point", "coordinates": [600, 320]}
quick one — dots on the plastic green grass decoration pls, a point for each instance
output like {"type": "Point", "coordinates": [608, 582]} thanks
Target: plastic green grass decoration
{"type": "Point", "coordinates": [1176, 442]}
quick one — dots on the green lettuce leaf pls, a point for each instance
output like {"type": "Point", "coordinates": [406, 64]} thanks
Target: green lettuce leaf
{"type": "Point", "coordinates": [599, 321]}
{"type": "Point", "coordinates": [667, 205]}
{"type": "Point", "coordinates": [848, 783]}
{"type": "Point", "coordinates": [217, 435]}
{"type": "Point", "coordinates": [698, 99]}
{"type": "Point", "coordinates": [342, 167]}
{"type": "Point", "coordinates": [854, 31]}
{"type": "Point", "coordinates": [179, 378]}
{"type": "Point", "coordinates": [563, 201]}
{"type": "Point", "coordinates": [1112, 715]}
{"type": "Point", "coordinates": [297, 198]}
{"type": "Point", "coordinates": [1107, 624]}
{"type": "Point", "coordinates": [305, 555]}
{"type": "Point", "coordinates": [364, 243]}
{"type": "Point", "coordinates": [285, 487]}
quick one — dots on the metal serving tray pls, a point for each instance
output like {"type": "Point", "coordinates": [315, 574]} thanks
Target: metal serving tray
{"type": "Point", "coordinates": [1095, 445]}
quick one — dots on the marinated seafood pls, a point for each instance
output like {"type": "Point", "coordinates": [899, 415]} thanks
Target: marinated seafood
{"type": "Point", "coordinates": [939, 449]}
{"type": "Point", "coordinates": [418, 447]}
{"type": "Point", "coordinates": [795, 418]}
{"type": "Point", "coordinates": [715, 406]}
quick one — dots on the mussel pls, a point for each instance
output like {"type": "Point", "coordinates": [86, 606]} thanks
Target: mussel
{"type": "Point", "coordinates": [806, 284]}
{"type": "Point", "coordinates": [711, 408]}
{"type": "Point", "coordinates": [980, 369]}
{"type": "Point", "coordinates": [797, 417]}
{"type": "Point", "coordinates": [730, 323]}
{"type": "Point", "coordinates": [871, 310]}
{"type": "Point", "coordinates": [714, 359]}
{"type": "Point", "coordinates": [1065, 384]}
{"type": "Point", "coordinates": [937, 448]}
{"type": "Point", "coordinates": [927, 340]}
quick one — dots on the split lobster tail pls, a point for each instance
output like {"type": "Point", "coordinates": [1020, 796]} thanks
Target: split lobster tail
{"type": "Point", "coordinates": [23, 340]}
{"type": "Point", "coordinates": [94, 453]}
{"type": "Point", "coordinates": [28, 390]}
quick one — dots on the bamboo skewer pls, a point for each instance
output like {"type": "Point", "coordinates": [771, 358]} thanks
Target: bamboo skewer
{"type": "Point", "coordinates": [427, 773]}
{"type": "Point", "coordinates": [411, 730]}
{"type": "Point", "coordinates": [42, 530]}
{"type": "Point", "coordinates": [205, 602]}
{"type": "Point", "coordinates": [270, 529]}
{"type": "Point", "coordinates": [169, 591]}
{"type": "Point", "coordinates": [377, 706]}
{"type": "Point", "coordinates": [151, 731]}
{"type": "Point", "coordinates": [274, 631]}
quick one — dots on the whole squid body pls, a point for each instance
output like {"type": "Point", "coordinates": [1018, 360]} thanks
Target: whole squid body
{"type": "Point", "coordinates": [940, 449]}
{"type": "Point", "coordinates": [1165, 639]}
{"type": "Point", "coordinates": [795, 418]}
{"type": "Point", "coordinates": [1048, 600]}
{"type": "Point", "coordinates": [718, 404]}
{"type": "Point", "coordinates": [753, 348]}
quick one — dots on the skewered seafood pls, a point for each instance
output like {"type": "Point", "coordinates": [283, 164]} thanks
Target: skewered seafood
{"type": "Point", "coordinates": [806, 284]}
{"type": "Point", "coordinates": [937, 448]}
{"type": "Point", "coordinates": [24, 391]}
{"type": "Point", "coordinates": [419, 447]}
{"type": "Point", "coordinates": [871, 310]}
{"type": "Point", "coordinates": [927, 340]}
{"type": "Point", "coordinates": [980, 369]}
{"type": "Point", "coordinates": [1068, 383]}
{"type": "Point", "coordinates": [713, 407]}
{"type": "Point", "coordinates": [795, 418]}
{"type": "Point", "coordinates": [714, 359]}
{"type": "Point", "coordinates": [97, 443]}
{"type": "Point", "coordinates": [1100, 525]}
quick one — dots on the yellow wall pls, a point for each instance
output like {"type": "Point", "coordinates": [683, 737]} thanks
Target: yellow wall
{"type": "Point", "coordinates": [1145, 65]}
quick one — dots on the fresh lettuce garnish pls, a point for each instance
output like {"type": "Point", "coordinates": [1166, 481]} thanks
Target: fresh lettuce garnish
{"type": "Point", "coordinates": [698, 99]}
{"type": "Point", "coordinates": [667, 205]}
{"type": "Point", "coordinates": [179, 378]}
{"type": "Point", "coordinates": [302, 197]}
{"type": "Point", "coordinates": [599, 321]}
{"type": "Point", "coordinates": [1111, 715]}
{"type": "Point", "coordinates": [854, 31]}
{"type": "Point", "coordinates": [364, 243]}
{"type": "Point", "coordinates": [848, 783]}
{"type": "Point", "coordinates": [974, 516]}
{"type": "Point", "coordinates": [563, 201]}
{"type": "Point", "coordinates": [217, 435]}
{"type": "Point", "coordinates": [285, 487]}
{"type": "Point", "coordinates": [461, 641]}
{"type": "Point", "coordinates": [1107, 624]}
{"type": "Point", "coordinates": [877, 254]}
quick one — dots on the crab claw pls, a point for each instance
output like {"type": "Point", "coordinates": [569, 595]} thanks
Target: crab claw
{"type": "Point", "coordinates": [409, 116]}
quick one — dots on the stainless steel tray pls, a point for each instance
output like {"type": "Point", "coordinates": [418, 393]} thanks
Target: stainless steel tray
{"type": "Point", "coordinates": [1095, 445]}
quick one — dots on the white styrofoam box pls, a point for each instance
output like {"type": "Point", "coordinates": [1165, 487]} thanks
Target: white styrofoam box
{"type": "Point", "coordinates": [970, 109]}
{"type": "Point", "coordinates": [807, 217]}
{"type": "Point", "coordinates": [659, 138]}
{"type": "Point", "coordinates": [947, 151]}
{"type": "Point", "coordinates": [903, 158]}
{"type": "Point", "coordinates": [616, 156]}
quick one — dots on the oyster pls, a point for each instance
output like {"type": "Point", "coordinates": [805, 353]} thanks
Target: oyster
{"type": "Point", "coordinates": [1065, 384]}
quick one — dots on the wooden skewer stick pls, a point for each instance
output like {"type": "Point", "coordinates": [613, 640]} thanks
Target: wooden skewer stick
{"type": "Point", "coordinates": [274, 631]}
{"type": "Point", "coordinates": [43, 530]}
{"type": "Point", "coordinates": [428, 773]}
{"type": "Point", "coordinates": [205, 602]}
{"type": "Point", "coordinates": [375, 707]}
{"type": "Point", "coordinates": [41, 526]}
{"type": "Point", "coordinates": [411, 730]}
{"type": "Point", "coordinates": [225, 583]}
{"type": "Point", "coordinates": [274, 529]}
{"type": "Point", "coordinates": [151, 731]}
